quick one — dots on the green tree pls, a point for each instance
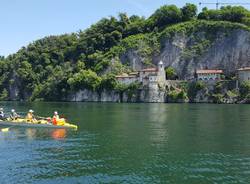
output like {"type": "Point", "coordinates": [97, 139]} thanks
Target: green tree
{"type": "Point", "coordinates": [189, 11]}
{"type": "Point", "coordinates": [234, 13]}
{"type": "Point", "coordinates": [108, 82]}
{"type": "Point", "coordinates": [166, 15]}
{"type": "Point", "coordinates": [170, 73]}
{"type": "Point", "coordinates": [84, 79]}
{"type": "Point", "coordinates": [227, 13]}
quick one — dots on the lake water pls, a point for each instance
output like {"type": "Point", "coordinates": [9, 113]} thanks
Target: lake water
{"type": "Point", "coordinates": [130, 143]}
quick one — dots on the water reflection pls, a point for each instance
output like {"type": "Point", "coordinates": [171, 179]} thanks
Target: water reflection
{"type": "Point", "coordinates": [158, 119]}
{"type": "Point", "coordinates": [31, 133]}
{"type": "Point", "coordinates": [58, 134]}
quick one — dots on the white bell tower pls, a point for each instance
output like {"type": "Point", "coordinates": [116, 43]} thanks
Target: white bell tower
{"type": "Point", "coordinates": [161, 72]}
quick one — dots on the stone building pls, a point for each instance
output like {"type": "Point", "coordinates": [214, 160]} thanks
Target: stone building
{"type": "Point", "coordinates": [244, 74]}
{"type": "Point", "coordinates": [209, 74]}
{"type": "Point", "coordinates": [127, 79]}
{"type": "Point", "coordinates": [145, 76]}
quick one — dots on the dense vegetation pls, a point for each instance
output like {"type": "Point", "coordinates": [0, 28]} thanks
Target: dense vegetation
{"type": "Point", "coordinates": [53, 67]}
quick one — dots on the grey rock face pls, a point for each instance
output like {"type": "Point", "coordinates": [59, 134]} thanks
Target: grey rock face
{"type": "Point", "coordinates": [228, 52]}
{"type": "Point", "coordinates": [152, 94]}
{"type": "Point", "coordinates": [91, 96]}
{"type": "Point", "coordinates": [132, 58]}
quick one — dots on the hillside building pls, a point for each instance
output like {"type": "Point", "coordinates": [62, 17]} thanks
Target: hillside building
{"type": "Point", "coordinates": [209, 74]}
{"type": "Point", "coordinates": [126, 79]}
{"type": "Point", "coordinates": [244, 74]}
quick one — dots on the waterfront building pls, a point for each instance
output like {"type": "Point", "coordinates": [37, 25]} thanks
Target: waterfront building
{"type": "Point", "coordinates": [244, 74]}
{"type": "Point", "coordinates": [209, 74]}
{"type": "Point", "coordinates": [145, 76]}
{"type": "Point", "coordinates": [127, 79]}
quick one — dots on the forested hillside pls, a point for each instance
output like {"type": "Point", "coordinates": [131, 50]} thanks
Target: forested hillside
{"type": "Point", "coordinates": [55, 66]}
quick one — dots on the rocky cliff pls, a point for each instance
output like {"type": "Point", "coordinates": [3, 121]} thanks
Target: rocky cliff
{"type": "Point", "coordinates": [172, 92]}
{"type": "Point", "coordinates": [198, 46]}
{"type": "Point", "coordinates": [228, 52]}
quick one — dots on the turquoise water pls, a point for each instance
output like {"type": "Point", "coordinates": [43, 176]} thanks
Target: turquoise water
{"type": "Point", "coordinates": [130, 143]}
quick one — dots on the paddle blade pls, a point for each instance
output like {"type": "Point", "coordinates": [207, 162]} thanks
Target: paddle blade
{"type": "Point", "coordinates": [5, 129]}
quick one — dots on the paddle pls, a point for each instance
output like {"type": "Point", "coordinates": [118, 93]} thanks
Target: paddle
{"type": "Point", "coordinates": [41, 118]}
{"type": "Point", "coordinates": [5, 129]}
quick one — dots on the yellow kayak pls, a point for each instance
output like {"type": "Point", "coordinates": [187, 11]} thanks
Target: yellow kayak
{"type": "Point", "coordinates": [36, 124]}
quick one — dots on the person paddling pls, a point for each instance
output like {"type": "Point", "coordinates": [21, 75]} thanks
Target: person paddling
{"type": "Point", "coordinates": [55, 118]}
{"type": "Point", "coordinates": [2, 115]}
{"type": "Point", "coordinates": [14, 115]}
{"type": "Point", "coordinates": [30, 117]}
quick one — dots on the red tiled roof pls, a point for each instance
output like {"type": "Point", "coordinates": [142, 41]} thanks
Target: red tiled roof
{"type": "Point", "coordinates": [209, 71]}
{"type": "Point", "coordinates": [149, 70]}
{"type": "Point", "coordinates": [244, 69]}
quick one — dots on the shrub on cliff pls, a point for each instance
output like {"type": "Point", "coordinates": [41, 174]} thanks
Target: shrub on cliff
{"type": "Point", "coordinates": [177, 96]}
{"type": "Point", "coordinates": [245, 89]}
{"type": "Point", "coordinates": [4, 95]}
{"type": "Point", "coordinates": [217, 98]}
{"type": "Point", "coordinates": [127, 87]}
{"type": "Point", "coordinates": [170, 73]}
{"type": "Point", "coordinates": [194, 87]}
{"type": "Point", "coordinates": [218, 87]}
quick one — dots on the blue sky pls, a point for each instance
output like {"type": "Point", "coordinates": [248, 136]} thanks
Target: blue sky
{"type": "Point", "coordinates": [23, 21]}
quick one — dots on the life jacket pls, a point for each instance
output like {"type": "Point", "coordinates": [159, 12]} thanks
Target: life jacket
{"type": "Point", "coordinates": [55, 119]}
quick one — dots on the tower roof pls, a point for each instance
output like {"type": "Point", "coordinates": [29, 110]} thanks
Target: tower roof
{"type": "Point", "coordinates": [160, 63]}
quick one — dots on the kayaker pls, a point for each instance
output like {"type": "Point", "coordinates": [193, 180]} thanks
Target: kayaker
{"type": "Point", "coordinates": [14, 115]}
{"type": "Point", "coordinates": [55, 118]}
{"type": "Point", "coordinates": [2, 115]}
{"type": "Point", "coordinates": [30, 116]}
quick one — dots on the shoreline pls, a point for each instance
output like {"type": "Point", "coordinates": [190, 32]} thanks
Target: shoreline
{"type": "Point", "coordinates": [110, 102]}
